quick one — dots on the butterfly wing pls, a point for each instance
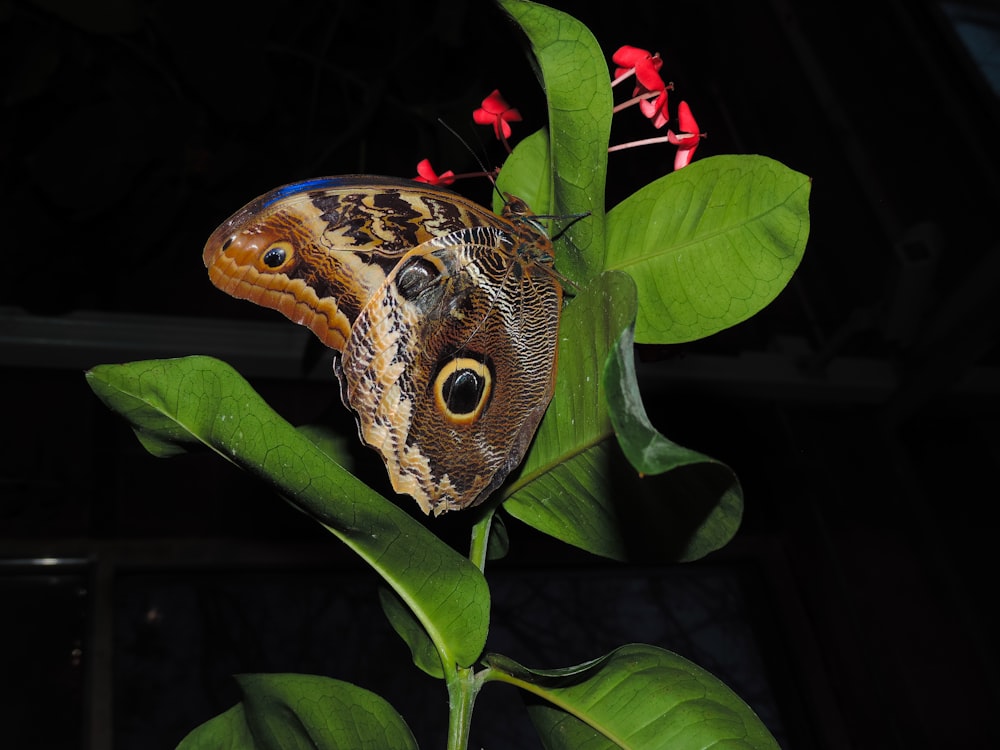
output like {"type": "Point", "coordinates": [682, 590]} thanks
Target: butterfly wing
{"type": "Point", "coordinates": [446, 316]}
{"type": "Point", "coordinates": [317, 250]}
{"type": "Point", "coordinates": [450, 366]}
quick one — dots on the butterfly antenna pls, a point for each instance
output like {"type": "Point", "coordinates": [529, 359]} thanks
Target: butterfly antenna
{"type": "Point", "coordinates": [489, 174]}
{"type": "Point", "coordinates": [550, 217]}
{"type": "Point", "coordinates": [572, 217]}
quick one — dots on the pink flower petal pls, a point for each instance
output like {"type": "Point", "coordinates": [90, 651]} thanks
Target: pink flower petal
{"type": "Point", "coordinates": [656, 110]}
{"type": "Point", "coordinates": [682, 158]}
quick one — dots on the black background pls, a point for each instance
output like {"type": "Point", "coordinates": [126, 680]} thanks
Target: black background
{"type": "Point", "coordinates": [859, 410]}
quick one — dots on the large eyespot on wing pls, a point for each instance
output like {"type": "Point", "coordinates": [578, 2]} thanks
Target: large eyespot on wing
{"type": "Point", "coordinates": [449, 368]}
{"type": "Point", "coordinates": [339, 255]}
{"type": "Point", "coordinates": [462, 389]}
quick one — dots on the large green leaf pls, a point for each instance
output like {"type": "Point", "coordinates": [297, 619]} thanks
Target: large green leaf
{"type": "Point", "coordinates": [565, 488]}
{"type": "Point", "coordinates": [176, 403]}
{"type": "Point", "coordinates": [637, 697]}
{"type": "Point", "coordinates": [685, 504]}
{"type": "Point", "coordinates": [709, 245]}
{"type": "Point", "coordinates": [574, 75]}
{"type": "Point", "coordinates": [562, 488]}
{"type": "Point", "coordinates": [677, 504]}
{"type": "Point", "coordinates": [285, 711]}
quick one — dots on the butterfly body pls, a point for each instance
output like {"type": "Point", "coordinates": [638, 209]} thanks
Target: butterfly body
{"type": "Point", "coordinates": [445, 316]}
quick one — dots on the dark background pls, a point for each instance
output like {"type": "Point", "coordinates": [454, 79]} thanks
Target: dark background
{"type": "Point", "coordinates": [860, 410]}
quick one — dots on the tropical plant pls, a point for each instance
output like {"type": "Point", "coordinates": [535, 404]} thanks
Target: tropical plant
{"type": "Point", "coordinates": [700, 249]}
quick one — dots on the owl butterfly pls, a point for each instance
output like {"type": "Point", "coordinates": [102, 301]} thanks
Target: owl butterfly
{"type": "Point", "coordinates": [445, 317]}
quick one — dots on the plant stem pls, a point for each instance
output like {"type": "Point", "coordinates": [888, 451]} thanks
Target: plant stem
{"type": "Point", "coordinates": [463, 686]}
{"type": "Point", "coordinates": [463, 683]}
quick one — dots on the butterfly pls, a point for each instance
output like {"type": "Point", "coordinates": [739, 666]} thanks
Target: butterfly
{"type": "Point", "coordinates": [444, 317]}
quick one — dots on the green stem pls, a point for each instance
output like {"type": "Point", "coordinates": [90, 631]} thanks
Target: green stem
{"type": "Point", "coordinates": [463, 686]}
{"type": "Point", "coordinates": [463, 683]}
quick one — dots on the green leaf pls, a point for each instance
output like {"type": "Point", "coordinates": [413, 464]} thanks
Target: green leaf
{"type": "Point", "coordinates": [425, 656]}
{"type": "Point", "coordinates": [573, 486]}
{"type": "Point", "coordinates": [227, 731]}
{"type": "Point", "coordinates": [202, 401]}
{"type": "Point", "coordinates": [498, 544]}
{"type": "Point", "coordinates": [336, 445]}
{"type": "Point", "coordinates": [526, 174]}
{"type": "Point", "coordinates": [575, 77]}
{"type": "Point", "coordinates": [637, 697]}
{"type": "Point", "coordinates": [284, 711]}
{"type": "Point", "coordinates": [710, 244]}
{"type": "Point", "coordinates": [695, 507]}
{"type": "Point", "coordinates": [562, 488]}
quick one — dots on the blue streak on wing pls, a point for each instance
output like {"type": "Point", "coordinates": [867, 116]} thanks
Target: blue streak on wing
{"type": "Point", "coordinates": [324, 183]}
{"type": "Point", "coordinates": [305, 186]}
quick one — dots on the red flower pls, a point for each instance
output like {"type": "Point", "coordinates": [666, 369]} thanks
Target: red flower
{"type": "Point", "coordinates": [656, 109]}
{"type": "Point", "coordinates": [646, 67]}
{"type": "Point", "coordinates": [426, 173]}
{"type": "Point", "coordinates": [689, 137]}
{"type": "Point", "coordinates": [650, 89]}
{"type": "Point", "coordinates": [496, 112]}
